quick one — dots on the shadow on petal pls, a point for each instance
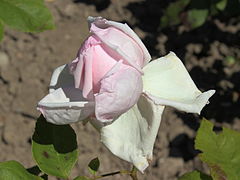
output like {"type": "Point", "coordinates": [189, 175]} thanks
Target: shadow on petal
{"type": "Point", "coordinates": [131, 137]}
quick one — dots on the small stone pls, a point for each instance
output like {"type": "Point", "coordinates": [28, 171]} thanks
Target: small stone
{"type": "Point", "coordinates": [4, 59]}
{"type": "Point", "coordinates": [176, 165]}
{"type": "Point", "coordinates": [235, 96]}
{"type": "Point", "coordinates": [70, 10]}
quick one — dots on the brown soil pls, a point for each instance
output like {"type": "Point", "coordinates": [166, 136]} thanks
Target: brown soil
{"type": "Point", "coordinates": [27, 61]}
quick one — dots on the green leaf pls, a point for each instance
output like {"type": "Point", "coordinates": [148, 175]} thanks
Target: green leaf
{"type": "Point", "coordinates": [221, 5]}
{"type": "Point", "coordinates": [12, 170]}
{"type": "Point", "coordinates": [195, 175]}
{"type": "Point", "coordinates": [197, 17]}
{"type": "Point", "coordinates": [220, 151]}
{"type": "Point", "coordinates": [94, 165]}
{"type": "Point", "coordinates": [82, 178]}
{"type": "Point", "coordinates": [54, 148]}
{"type": "Point", "coordinates": [172, 13]}
{"type": "Point", "coordinates": [1, 30]}
{"type": "Point", "coordinates": [26, 15]}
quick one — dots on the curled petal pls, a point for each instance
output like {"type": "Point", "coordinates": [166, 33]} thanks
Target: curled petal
{"type": "Point", "coordinates": [131, 137]}
{"type": "Point", "coordinates": [121, 38]}
{"type": "Point", "coordinates": [61, 78]}
{"type": "Point", "coordinates": [120, 90]}
{"type": "Point", "coordinates": [167, 82]}
{"type": "Point", "coordinates": [126, 29]}
{"type": "Point", "coordinates": [65, 103]}
{"type": "Point", "coordinates": [81, 68]}
{"type": "Point", "coordinates": [194, 106]}
{"type": "Point", "coordinates": [65, 106]}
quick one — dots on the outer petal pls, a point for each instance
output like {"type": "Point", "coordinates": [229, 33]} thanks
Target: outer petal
{"type": "Point", "coordinates": [61, 78]}
{"type": "Point", "coordinates": [120, 90]}
{"type": "Point", "coordinates": [125, 28]}
{"type": "Point", "coordinates": [81, 68]}
{"type": "Point", "coordinates": [132, 136]}
{"type": "Point", "coordinates": [126, 52]}
{"type": "Point", "coordinates": [64, 104]}
{"type": "Point", "coordinates": [167, 82]}
{"type": "Point", "coordinates": [93, 62]}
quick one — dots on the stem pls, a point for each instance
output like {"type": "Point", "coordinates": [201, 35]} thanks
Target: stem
{"type": "Point", "coordinates": [134, 173]}
{"type": "Point", "coordinates": [112, 174]}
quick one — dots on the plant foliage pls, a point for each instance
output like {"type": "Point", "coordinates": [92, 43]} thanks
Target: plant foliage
{"type": "Point", "coordinates": [194, 13]}
{"type": "Point", "coordinates": [11, 170]}
{"type": "Point", "coordinates": [54, 148]}
{"type": "Point", "coordinates": [220, 151]}
{"type": "Point", "coordinates": [25, 15]}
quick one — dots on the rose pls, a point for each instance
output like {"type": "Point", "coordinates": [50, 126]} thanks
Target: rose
{"type": "Point", "coordinates": [112, 56]}
{"type": "Point", "coordinates": [112, 85]}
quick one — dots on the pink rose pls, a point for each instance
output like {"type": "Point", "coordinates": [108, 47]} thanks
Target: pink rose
{"type": "Point", "coordinates": [112, 84]}
{"type": "Point", "coordinates": [108, 68]}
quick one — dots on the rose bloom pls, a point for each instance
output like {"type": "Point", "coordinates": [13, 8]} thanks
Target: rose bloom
{"type": "Point", "coordinates": [112, 84]}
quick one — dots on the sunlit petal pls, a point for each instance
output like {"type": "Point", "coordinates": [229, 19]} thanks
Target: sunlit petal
{"type": "Point", "coordinates": [122, 39]}
{"type": "Point", "coordinates": [61, 78]}
{"type": "Point", "coordinates": [132, 136]}
{"type": "Point", "coordinates": [167, 82]}
{"type": "Point", "coordinates": [120, 90]}
{"type": "Point", "coordinates": [64, 104]}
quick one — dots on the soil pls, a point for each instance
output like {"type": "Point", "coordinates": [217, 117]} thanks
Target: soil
{"type": "Point", "coordinates": [27, 61]}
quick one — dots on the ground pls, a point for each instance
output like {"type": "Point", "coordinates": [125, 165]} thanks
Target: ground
{"type": "Point", "coordinates": [27, 61]}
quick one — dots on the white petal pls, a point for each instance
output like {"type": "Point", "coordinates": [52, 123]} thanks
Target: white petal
{"type": "Point", "coordinates": [167, 82]}
{"type": "Point", "coordinates": [132, 136]}
{"type": "Point", "coordinates": [64, 104]}
{"type": "Point", "coordinates": [61, 77]}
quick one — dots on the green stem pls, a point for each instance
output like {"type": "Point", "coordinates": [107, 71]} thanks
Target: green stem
{"type": "Point", "coordinates": [134, 173]}
{"type": "Point", "coordinates": [113, 173]}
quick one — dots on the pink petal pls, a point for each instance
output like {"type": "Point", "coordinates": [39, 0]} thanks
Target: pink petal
{"type": "Point", "coordinates": [94, 60]}
{"type": "Point", "coordinates": [126, 29]}
{"type": "Point", "coordinates": [103, 23]}
{"type": "Point", "coordinates": [120, 41]}
{"type": "Point", "coordinates": [103, 61]}
{"type": "Point", "coordinates": [119, 92]}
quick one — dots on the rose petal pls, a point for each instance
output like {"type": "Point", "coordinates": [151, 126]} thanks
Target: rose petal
{"type": "Point", "coordinates": [82, 67]}
{"type": "Point", "coordinates": [120, 90]}
{"type": "Point", "coordinates": [65, 106]}
{"type": "Point", "coordinates": [103, 23]}
{"type": "Point", "coordinates": [83, 76]}
{"type": "Point", "coordinates": [61, 78]}
{"type": "Point", "coordinates": [126, 29]}
{"type": "Point", "coordinates": [93, 62]}
{"type": "Point", "coordinates": [103, 62]}
{"type": "Point", "coordinates": [65, 103]}
{"type": "Point", "coordinates": [167, 82]}
{"type": "Point", "coordinates": [132, 136]}
{"type": "Point", "coordinates": [121, 39]}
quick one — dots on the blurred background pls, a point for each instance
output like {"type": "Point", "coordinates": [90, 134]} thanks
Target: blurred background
{"type": "Point", "coordinates": [204, 34]}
